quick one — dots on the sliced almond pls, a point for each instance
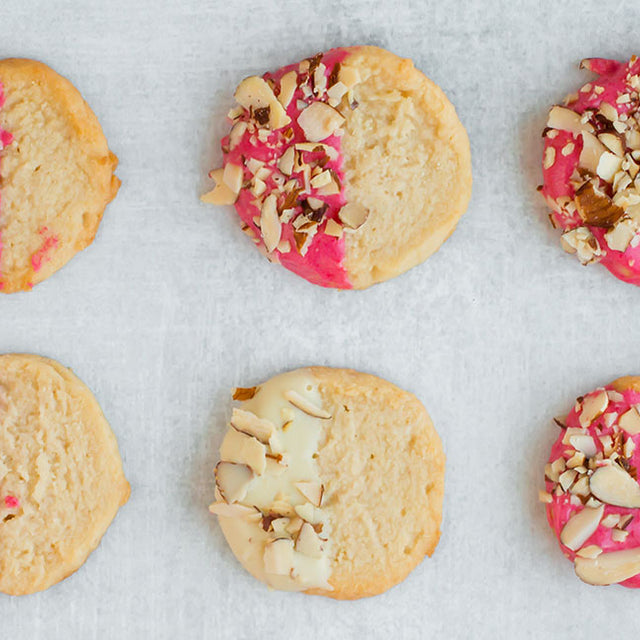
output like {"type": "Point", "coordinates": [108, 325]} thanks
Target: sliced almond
{"type": "Point", "coordinates": [565, 120]}
{"type": "Point", "coordinates": [584, 444]}
{"type": "Point", "coordinates": [558, 465]}
{"type": "Point", "coordinates": [220, 194]}
{"type": "Point", "coordinates": [232, 480]}
{"type": "Point", "coordinates": [255, 93]}
{"type": "Point", "coordinates": [582, 242]}
{"type": "Point", "coordinates": [630, 421]}
{"type": "Point", "coordinates": [580, 527]}
{"type": "Point", "coordinates": [295, 524]}
{"type": "Point", "coordinates": [332, 228]}
{"type": "Point", "coordinates": [613, 485]}
{"type": "Point", "coordinates": [608, 165]}
{"type": "Point", "coordinates": [629, 448]}
{"type": "Point", "coordinates": [309, 513]}
{"type": "Point", "coordinates": [279, 525]}
{"type": "Point", "coordinates": [237, 131]}
{"type": "Point", "coordinates": [288, 86]}
{"type": "Point", "coordinates": [609, 111]}
{"type": "Point", "coordinates": [625, 520]}
{"type": "Point", "coordinates": [567, 478]}
{"type": "Point", "coordinates": [330, 189]}
{"type": "Point", "coordinates": [249, 423]}
{"type": "Point", "coordinates": [233, 176]}
{"type": "Point", "coordinates": [353, 215]}
{"type": "Point", "coordinates": [285, 164]}
{"type": "Point", "coordinates": [609, 568]}
{"type": "Point", "coordinates": [319, 120]}
{"type": "Point", "coordinates": [619, 237]}
{"type": "Point", "coordinates": [336, 92]}
{"type": "Point", "coordinates": [613, 142]}
{"type": "Point", "coordinates": [278, 557]}
{"type": "Point", "coordinates": [581, 485]}
{"type": "Point", "coordinates": [576, 460]}
{"type": "Point", "coordinates": [234, 510]}
{"type": "Point", "coordinates": [549, 158]}
{"type": "Point", "coordinates": [611, 520]}
{"type": "Point", "coordinates": [592, 149]}
{"type": "Point", "coordinates": [243, 449]}
{"type": "Point", "coordinates": [270, 223]}
{"type": "Point", "coordinates": [305, 405]}
{"type": "Point", "coordinates": [593, 406]}
{"type": "Point", "coordinates": [308, 542]}
{"type": "Point", "coordinates": [619, 535]}
{"type": "Point", "coordinates": [592, 551]}
{"type": "Point", "coordinates": [312, 491]}
{"type": "Point", "coordinates": [321, 180]}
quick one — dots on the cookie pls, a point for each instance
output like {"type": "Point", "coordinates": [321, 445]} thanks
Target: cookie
{"type": "Point", "coordinates": [61, 478]}
{"type": "Point", "coordinates": [56, 173]}
{"type": "Point", "coordinates": [330, 482]}
{"type": "Point", "coordinates": [590, 167]}
{"type": "Point", "coordinates": [592, 493]}
{"type": "Point", "coordinates": [348, 168]}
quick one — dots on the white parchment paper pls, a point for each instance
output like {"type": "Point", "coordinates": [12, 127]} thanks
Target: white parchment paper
{"type": "Point", "coordinates": [171, 307]}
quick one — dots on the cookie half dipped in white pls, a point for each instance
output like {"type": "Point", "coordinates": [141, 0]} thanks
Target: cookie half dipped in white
{"type": "Point", "coordinates": [348, 168]}
{"type": "Point", "coordinates": [330, 482]}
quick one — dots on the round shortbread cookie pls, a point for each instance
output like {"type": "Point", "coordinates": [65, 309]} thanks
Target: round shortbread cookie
{"type": "Point", "coordinates": [348, 168]}
{"type": "Point", "coordinates": [56, 173]}
{"type": "Point", "coordinates": [61, 477]}
{"type": "Point", "coordinates": [330, 482]}
{"type": "Point", "coordinates": [592, 491]}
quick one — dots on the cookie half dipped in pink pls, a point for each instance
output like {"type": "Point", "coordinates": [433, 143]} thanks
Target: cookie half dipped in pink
{"type": "Point", "coordinates": [592, 492]}
{"type": "Point", "coordinates": [590, 167]}
{"type": "Point", "coordinates": [348, 168]}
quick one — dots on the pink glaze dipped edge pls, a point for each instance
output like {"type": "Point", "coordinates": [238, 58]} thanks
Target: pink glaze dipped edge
{"type": "Point", "coordinates": [323, 264]}
{"type": "Point", "coordinates": [5, 139]}
{"type": "Point", "coordinates": [560, 509]}
{"type": "Point", "coordinates": [613, 77]}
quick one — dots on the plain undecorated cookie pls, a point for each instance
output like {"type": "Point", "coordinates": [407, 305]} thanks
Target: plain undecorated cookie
{"type": "Point", "coordinates": [56, 173]}
{"type": "Point", "coordinates": [331, 482]}
{"type": "Point", "coordinates": [348, 168]}
{"type": "Point", "coordinates": [61, 477]}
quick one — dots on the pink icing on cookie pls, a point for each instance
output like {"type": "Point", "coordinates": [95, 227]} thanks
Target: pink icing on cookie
{"type": "Point", "coordinates": [322, 261]}
{"type": "Point", "coordinates": [43, 254]}
{"type": "Point", "coordinates": [606, 435]}
{"type": "Point", "coordinates": [11, 502]}
{"type": "Point", "coordinates": [616, 85]}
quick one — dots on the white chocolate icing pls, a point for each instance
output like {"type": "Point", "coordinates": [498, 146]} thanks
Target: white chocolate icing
{"type": "Point", "coordinates": [298, 443]}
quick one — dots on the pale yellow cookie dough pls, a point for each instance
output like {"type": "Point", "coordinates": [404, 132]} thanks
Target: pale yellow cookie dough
{"type": "Point", "coordinates": [56, 177]}
{"type": "Point", "coordinates": [61, 477]}
{"type": "Point", "coordinates": [407, 161]}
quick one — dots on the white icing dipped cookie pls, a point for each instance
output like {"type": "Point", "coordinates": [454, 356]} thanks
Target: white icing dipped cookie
{"type": "Point", "coordinates": [330, 482]}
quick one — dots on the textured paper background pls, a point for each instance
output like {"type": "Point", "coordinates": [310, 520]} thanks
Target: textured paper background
{"type": "Point", "coordinates": [172, 306]}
